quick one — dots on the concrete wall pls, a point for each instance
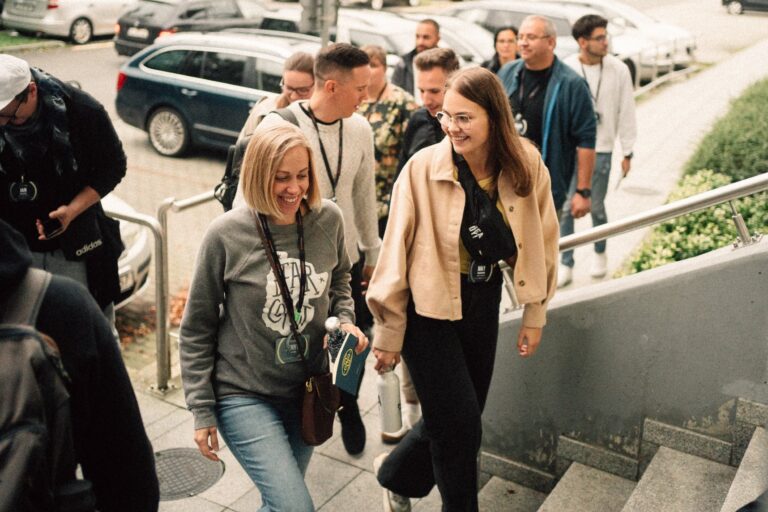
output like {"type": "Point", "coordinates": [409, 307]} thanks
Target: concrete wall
{"type": "Point", "coordinates": [676, 344]}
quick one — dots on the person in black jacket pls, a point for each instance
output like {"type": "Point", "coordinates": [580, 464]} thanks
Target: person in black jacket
{"type": "Point", "coordinates": [59, 155]}
{"type": "Point", "coordinates": [505, 46]}
{"type": "Point", "coordinates": [109, 438]}
{"type": "Point", "coordinates": [423, 130]}
{"type": "Point", "coordinates": [427, 37]}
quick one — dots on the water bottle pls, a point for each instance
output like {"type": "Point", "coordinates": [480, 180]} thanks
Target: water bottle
{"type": "Point", "coordinates": [335, 336]}
{"type": "Point", "coordinates": [390, 417]}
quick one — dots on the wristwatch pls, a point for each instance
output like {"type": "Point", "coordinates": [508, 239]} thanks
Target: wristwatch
{"type": "Point", "coordinates": [629, 155]}
{"type": "Point", "coordinates": [584, 192]}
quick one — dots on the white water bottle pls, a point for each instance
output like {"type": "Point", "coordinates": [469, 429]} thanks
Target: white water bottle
{"type": "Point", "coordinates": [388, 385]}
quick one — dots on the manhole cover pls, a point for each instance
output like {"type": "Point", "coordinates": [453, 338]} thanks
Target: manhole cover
{"type": "Point", "coordinates": [183, 472]}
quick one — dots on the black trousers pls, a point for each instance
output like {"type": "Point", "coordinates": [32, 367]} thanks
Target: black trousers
{"type": "Point", "coordinates": [451, 364]}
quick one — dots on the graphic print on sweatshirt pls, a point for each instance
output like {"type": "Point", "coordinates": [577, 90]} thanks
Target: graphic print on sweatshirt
{"type": "Point", "coordinates": [275, 315]}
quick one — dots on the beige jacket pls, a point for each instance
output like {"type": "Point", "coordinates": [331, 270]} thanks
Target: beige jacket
{"type": "Point", "coordinates": [420, 254]}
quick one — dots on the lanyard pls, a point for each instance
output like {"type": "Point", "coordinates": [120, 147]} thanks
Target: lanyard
{"type": "Point", "coordinates": [372, 106]}
{"type": "Point", "coordinates": [334, 181]}
{"type": "Point", "coordinates": [599, 82]}
{"type": "Point", "coordinates": [266, 238]}
{"type": "Point", "coordinates": [533, 93]}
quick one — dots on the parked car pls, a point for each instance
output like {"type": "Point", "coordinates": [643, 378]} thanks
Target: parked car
{"type": "Point", "coordinates": [639, 53]}
{"type": "Point", "coordinates": [739, 6]}
{"type": "Point", "coordinates": [133, 265]}
{"type": "Point", "coordinates": [77, 20]}
{"type": "Point", "coordinates": [379, 4]}
{"type": "Point", "coordinates": [196, 89]}
{"type": "Point", "coordinates": [472, 42]}
{"type": "Point", "coordinates": [680, 42]}
{"type": "Point", "coordinates": [138, 27]}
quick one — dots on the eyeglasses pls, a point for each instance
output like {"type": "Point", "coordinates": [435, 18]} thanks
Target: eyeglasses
{"type": "Point", "coordinates": [463, 121]}
{"type": "Point", "coordinates": [301, 91]}
{"type": "Point", "coordinates": [530, 37]}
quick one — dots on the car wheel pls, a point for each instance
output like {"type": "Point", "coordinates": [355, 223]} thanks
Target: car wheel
{"type": "Point", "coordinates": [632, 70]}
{"type": "Point", "coordinates": [168, 132]}
{"type": "Point", "coordinates": [377, 4]}
{"type": "Point", "coordinates": [735, 8]}
{"type": "Point", "coordinates": [81, 31]}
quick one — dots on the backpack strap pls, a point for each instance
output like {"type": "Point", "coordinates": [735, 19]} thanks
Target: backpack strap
{"type": "Point", "coordinates": [287, 114]}
{"type": "Point", "coordinates": [23, 304]}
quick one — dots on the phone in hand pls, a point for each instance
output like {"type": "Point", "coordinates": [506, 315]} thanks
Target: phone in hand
{"type": "Point", "coordinates": [52, 228]}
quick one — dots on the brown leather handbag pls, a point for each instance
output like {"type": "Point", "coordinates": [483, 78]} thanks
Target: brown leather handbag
{"type": "Point", "coordinates": [321, 397]}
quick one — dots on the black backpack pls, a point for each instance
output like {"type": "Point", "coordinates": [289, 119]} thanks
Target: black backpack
{"type": "Point", "coordinates": [225, 190]}
{"type": "Point", "coordinates": [37, 456]}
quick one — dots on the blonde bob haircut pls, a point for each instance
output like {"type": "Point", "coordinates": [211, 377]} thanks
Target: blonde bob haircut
{"type": "Point", "coordinates": [263, 156]}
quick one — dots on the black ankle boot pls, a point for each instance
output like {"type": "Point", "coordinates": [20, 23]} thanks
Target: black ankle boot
{"type": "Point", "coordinates": [352, 428]}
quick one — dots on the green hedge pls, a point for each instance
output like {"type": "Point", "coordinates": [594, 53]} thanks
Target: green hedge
{"type": "Point", "coordinates": [698, 232]}
{"type": "Point", "coordinates": [738, 144]}
{"type": "Point", "coordinates": [737, 148]}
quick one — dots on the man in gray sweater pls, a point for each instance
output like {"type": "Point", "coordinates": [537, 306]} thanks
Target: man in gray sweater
{"type": "Point", "coordinates": [342, 147]}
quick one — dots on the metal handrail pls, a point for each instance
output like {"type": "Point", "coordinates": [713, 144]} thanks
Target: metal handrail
{"type": "Point", "coordinates": [665, 212]}
{"type": "Point", "coordinates": [161, 291]}
{"type": "Point", "coordinates": [662, 213]}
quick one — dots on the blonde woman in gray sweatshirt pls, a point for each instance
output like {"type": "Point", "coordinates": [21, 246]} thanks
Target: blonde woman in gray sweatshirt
{"type": "Point", "coordinates": [241, 368]}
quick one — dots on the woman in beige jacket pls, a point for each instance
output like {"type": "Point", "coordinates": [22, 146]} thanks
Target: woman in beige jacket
{"type": "Point", "coordinates": [436, 290]}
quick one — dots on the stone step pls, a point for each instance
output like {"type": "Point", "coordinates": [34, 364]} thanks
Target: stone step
{"type": "Point", "coordinates": [679, 482]}
{"type": "Point", "coordinates": [586, 489]}
{"type": "Point", "coordinates": [498, 495]}
{"type": "Point", "coordinates": [752, 476]}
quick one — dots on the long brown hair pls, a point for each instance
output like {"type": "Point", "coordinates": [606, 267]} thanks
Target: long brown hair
{"type": "Point", "coordinates": [505, 147]}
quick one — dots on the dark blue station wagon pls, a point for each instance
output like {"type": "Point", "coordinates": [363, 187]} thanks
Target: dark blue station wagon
{"type": "Point", "coordinates": [196, 89]}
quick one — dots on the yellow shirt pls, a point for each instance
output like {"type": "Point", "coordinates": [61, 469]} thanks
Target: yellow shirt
{"type": "Point", "coordinates": [489, 185]}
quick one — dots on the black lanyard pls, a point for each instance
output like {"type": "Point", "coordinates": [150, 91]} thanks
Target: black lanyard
{"type": "Point", "coordinates": [274, 260]}
{"type": "Point", "coordinates": [334, 181]}
{"type": "Point", "coordinates": [533, 93]}
{"type": "Point", "coordinates": [372, 107]}
{"type": "Point", "coordinates": [599, 82]}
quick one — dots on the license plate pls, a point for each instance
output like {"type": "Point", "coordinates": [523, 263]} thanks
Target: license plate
{"type": "Point", "coordinates": [24, 6]}
{"type": "Point", "coordinates": [137, 33]}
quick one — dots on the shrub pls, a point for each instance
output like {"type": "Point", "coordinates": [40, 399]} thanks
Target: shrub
{"type": "Point", "coordinates": [738, 144]}
{"type": "Point", "coordinates": [699, 232]}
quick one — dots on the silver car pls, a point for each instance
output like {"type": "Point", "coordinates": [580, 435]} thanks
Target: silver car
{"type": "Point", "coordinates": [76, 20]}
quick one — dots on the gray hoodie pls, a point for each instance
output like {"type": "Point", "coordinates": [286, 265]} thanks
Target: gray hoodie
{"type": "Point", "coordinates": [235, 315]}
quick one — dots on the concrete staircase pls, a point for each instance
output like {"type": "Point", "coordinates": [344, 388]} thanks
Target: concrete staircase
{"type": "Point", "coordinates": [676, 470]}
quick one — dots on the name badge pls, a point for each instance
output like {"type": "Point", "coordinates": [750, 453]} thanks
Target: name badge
{"type": "Point", "coordinates": [480, 272]}
{"type": "Point", "coordinates": [287, 350]}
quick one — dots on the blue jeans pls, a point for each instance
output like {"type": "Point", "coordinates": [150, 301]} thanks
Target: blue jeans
{"type": "Point", "coordinates": [599, 188]}
{"type": "Point", "coordinates": [265, 438]}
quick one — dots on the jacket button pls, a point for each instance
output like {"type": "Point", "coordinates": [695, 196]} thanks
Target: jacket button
{"type": "Point", "coordinates": [521, 282]}
{"type": "Point", "coordinates": [511, 209]}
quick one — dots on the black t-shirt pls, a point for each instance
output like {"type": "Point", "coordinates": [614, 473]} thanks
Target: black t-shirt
{"type": "Point", "coordinates": [528, 103]}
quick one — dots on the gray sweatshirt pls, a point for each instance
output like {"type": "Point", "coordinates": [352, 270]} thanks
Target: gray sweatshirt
{"type": "Point", "coordinates": [235, 314]}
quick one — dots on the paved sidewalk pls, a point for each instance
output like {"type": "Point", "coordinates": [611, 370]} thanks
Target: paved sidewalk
{"type": "Point", "coordinates": [671, 123]}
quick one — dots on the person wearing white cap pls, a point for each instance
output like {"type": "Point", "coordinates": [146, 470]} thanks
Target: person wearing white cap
{"type": "Point", "coordinates": [59, 155]}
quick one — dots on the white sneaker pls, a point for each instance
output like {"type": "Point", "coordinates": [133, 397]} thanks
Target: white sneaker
{"type": "Point", "coordinates": [392, 502]}
{"type": "Point", "coordinates": [411, 414]}
{"type": "Point", "coordinates": [599, 265]}
{"type": "Point", "coordinates": [564, 275]}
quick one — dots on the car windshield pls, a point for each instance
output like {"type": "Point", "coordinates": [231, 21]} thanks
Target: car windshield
{"type": "Point", "coordinates": [629, 13]}
{"type": "Point", "coordinates": [152, 10]}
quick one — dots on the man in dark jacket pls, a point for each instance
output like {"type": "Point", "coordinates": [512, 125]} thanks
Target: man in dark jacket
{"type": "Point", "coordinates": [427, 36]}
{"type": "Point", "coordinates": [109, 438]}
{"type": "Point", "coordinates": [423, 129]}
{"type": "Point", "coordinates": [59, 155]}
{"type": "Point", "coordinates": [553, 108]}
